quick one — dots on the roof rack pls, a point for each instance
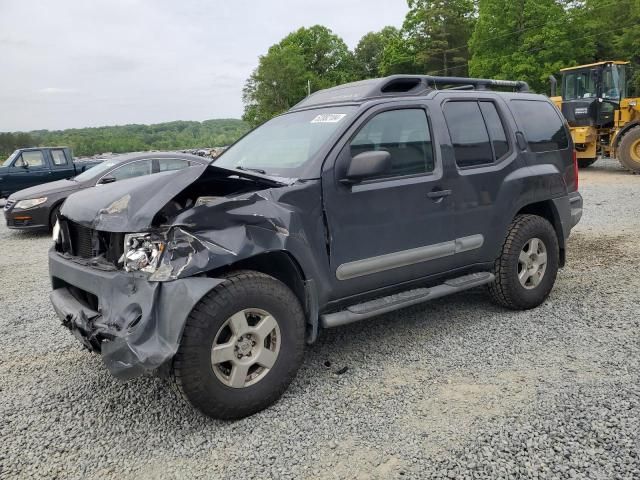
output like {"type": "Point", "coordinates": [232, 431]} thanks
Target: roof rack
{"type": "Point", "coordinates": [395, 85]}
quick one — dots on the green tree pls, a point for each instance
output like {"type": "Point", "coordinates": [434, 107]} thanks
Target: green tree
{"type": "Point", "coordinates": [369, 52]}
{"type": "Point", "coordinates": [433, 39]}
{"type": "Point", "coordinates": [611, 31]}
{"type": "Point", "coordinates": [11, 141]}
{"type": "Point", "coordinates": [525, 40]}
{"type": "Point", "coordinates": [309, 58]}
{"type": "Point", "coordinates": [131, 138]}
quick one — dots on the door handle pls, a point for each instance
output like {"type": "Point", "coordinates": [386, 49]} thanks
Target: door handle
{"type": "Point", "coordinates": [436, 194]}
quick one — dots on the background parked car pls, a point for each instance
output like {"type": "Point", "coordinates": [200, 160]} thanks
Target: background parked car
{"type": "Point", "coordinates": [35, 208]}
{"type": "Point", "coordinates": [27, 167]}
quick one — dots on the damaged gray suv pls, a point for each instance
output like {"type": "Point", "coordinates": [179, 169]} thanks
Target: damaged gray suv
{"type": "Point", "coordinates": [362, 199]}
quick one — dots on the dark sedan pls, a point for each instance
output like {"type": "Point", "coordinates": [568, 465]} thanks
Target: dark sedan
{"type": "Point", "coordinates": [35, 208]}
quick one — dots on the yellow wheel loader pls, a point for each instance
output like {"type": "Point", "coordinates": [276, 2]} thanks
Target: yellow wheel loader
{"type": "Point", "coordinates": [604, 120]}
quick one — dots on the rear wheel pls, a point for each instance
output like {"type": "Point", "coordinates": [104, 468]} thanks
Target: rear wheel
{"type": "Point", "coordinates": [586, 162]}
{"type": "Point", "coordinates": [242, 346]}
{"type": "Point", "coordinates": [526, 269]}
{"type": "Point", "coordinates": [629, 150]}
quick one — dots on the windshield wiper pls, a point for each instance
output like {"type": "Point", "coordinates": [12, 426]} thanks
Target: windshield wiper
{"type": "Point", "coordinates": [247, 169]}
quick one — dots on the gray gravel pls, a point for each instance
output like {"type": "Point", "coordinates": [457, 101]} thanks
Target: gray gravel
{"type": "Point", "coordinates": [454, 389]}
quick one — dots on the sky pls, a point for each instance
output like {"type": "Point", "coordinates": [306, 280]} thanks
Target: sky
{"type": "Point", "coordinates": [78, 63]}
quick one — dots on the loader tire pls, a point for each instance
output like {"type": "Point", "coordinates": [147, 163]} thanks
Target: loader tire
{"type": "Point", "coordinates": [629, 150]}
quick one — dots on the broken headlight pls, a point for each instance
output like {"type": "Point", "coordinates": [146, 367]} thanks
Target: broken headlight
{"type": "Point", "coordinates": [142, 252]}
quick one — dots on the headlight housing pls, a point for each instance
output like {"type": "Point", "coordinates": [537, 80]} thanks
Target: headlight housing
{"type": "Point", "coordinates": [142, 252]}
{"type": "Point", "coordinates": [29, 203]}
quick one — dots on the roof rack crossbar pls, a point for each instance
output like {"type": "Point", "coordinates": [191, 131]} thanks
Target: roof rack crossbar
{"type": "Point", "coordinates": [478, 83]}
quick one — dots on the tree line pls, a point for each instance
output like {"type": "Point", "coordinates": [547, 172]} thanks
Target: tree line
{"type": "Point", "coordinates": [504, 39]}
{"type": "Point", "coordinates": [130, 138]}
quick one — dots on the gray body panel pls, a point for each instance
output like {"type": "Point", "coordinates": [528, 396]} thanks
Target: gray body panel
{"type": "Point", "coordinates": [350, 243]}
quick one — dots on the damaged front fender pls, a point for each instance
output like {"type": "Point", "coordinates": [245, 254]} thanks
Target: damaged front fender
{"type": "Point", "coordinates": [229, 231]}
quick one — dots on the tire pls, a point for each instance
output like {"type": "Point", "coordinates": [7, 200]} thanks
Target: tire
{"type": "Point", "coordinates": [507, 288]}
{"type": "Point", "coordinates": [629, 150]}
{"type": "Point", "coordinates": [586, 162]}
{"type": "Point", "coordinates": [208, 386]}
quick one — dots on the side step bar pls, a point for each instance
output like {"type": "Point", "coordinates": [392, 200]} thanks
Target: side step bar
{"type": "Point", "coordinates": [400, 300]}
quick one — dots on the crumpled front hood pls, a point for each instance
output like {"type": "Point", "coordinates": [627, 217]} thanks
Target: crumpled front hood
{"type": "Point", "coordinates": [45, 189]}
{"type": "Point", "coordinates": [131, 205]}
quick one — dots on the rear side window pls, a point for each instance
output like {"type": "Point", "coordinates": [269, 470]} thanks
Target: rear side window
{"type": "Point", "coordinates": [542, 125]}
{"type": "Point", "coordinates": [166, 164]}
{"type": "Point", "coordinates": [469, 134]}
{"type": "Point", "coordinates": [58, 157]}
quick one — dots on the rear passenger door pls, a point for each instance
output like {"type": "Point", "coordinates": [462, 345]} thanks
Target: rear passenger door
{"type": "Point", "coordinates": [484, 154]}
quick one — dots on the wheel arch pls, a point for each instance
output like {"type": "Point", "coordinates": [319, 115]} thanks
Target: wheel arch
{"type": "Point", "coordinates": [283, 266]}
{"type": "Point", "coordinates": [548, 210]}
{"type": "Point", "coordinates": [624, 130]}
{"type": "Point", "coordinates": [56, 204]}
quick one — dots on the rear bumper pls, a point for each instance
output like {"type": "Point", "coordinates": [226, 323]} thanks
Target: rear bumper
{"type": "Point", "coordinates": [575, 206]}
{"type": "Point", "coordinates": [134, 324]}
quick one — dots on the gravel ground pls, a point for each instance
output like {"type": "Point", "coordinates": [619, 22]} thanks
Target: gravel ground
{"type": "Point", "coordinates": [457, 388]}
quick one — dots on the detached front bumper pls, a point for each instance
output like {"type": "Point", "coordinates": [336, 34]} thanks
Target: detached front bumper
{"type": "Point", "coordinates": [134, 324]}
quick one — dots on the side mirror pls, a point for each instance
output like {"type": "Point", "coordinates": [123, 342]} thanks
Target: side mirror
{"type": "Point", "coordinates": [25, 165]}
{"type": "Point", "coordinates": [104, 180]}
{"type": "Point", "coordinates": [368, 165]}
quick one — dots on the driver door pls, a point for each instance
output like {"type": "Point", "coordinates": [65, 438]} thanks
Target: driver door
{"type": "Point", "coordinates": [29, 169]}
{"type": "Point", "coordinates": [393, 228]}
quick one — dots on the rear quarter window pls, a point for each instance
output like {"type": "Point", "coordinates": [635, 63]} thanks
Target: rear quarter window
{"type": "Point", "coordinates": [541, 124]}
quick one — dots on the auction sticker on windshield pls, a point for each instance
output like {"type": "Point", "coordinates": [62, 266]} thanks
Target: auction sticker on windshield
{"type": "Point", "coordinates": [329, 118]}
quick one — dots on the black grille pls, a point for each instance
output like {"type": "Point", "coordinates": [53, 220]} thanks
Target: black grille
{"type": "Point", "coordinates": [82, 241]}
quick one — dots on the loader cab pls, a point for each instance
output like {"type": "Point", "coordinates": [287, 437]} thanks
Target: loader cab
{"type": "Point", "coordinates": [592, 93]}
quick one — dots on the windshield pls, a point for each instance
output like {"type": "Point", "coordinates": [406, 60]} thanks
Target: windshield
{"type": "Point", "coordinates": [95, 171]}
{"type": "Point", "coordinates": [285, 144]}
{"type": "Point", "coordinates": [580, 84]}
{"type": "Point", "coordinates": [611, 82]}
{"type": "Point", "coordinates": [8, 161]}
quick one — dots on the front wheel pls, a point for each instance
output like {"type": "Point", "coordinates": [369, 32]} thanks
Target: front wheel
{"type": "Point", "coordinates": [242, 346]}
{"type": "Point", "coordinates": [526, 269]}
